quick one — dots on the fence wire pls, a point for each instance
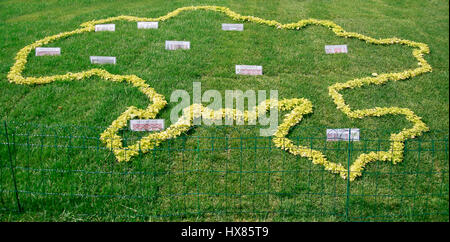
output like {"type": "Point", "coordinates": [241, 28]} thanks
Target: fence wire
{"type": "Point", "coordinates": [66, 173]}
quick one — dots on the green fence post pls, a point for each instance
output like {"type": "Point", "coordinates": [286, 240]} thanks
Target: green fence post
{"type": "Point", "coordinates": [347, 203]}
{"type": "Point", "coordinates": [19, 207]}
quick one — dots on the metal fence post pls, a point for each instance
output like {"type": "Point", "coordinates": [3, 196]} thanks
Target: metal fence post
{"type": "Point", "coordinates": [19, 207]}
{"type": "Point", "coordinates": [347, 203]}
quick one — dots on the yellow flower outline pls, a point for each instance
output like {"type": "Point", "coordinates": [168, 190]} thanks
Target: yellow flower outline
{"type": "Point", "coordinates": [298, 107]}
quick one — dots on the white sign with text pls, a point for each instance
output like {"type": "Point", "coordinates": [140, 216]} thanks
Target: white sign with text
{"type": "Point", "coordinates": [233, 27]}
{"type": "Point", "coordinates": [334, 49]}
{"type": "Point", "coordinates": [40, 51]}
{"type": "Point", "coordinates": [175, 45]}
{"type": "Point", "coordinates": [105, 27]}
{"type": "Point", "coordinates": [343, 134]}
{"type": "Point", "coordinates": [147, 124]}
{"type": "Point", "coordinates": [248, 70]}
{"type": "Point", "coordinates": [103, 59]}
{"type": "Point", "coordinates": [147, 25]}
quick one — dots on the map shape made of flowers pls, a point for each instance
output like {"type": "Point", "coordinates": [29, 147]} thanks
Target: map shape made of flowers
{"type": "Point", "coordinates": [298, 107]}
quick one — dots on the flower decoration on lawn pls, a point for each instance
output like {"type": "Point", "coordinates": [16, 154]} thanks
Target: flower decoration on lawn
{"type": "Point", "coordinates": [297, 107]}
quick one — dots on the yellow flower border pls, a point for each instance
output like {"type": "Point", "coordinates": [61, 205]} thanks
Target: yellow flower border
{"type": "Point", "coordinates": [298, 107]}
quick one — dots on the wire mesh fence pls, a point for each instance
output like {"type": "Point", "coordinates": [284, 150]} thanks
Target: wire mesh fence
{"type": "Point", "coordinates": [67, 173]}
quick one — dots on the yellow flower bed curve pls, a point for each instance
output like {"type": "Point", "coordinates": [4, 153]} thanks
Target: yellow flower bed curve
{"type": "Point", "coordinates": [298, 107]}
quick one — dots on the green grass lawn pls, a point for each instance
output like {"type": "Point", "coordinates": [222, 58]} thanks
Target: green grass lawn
{"type": "Point", "coordinates": [222, 173]}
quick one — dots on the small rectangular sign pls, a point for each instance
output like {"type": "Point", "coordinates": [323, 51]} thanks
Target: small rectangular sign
{"type": "Point", "coordinates": [343, 134]}
{"type": "Point", "coordinates": [334, 49]}
{"type": "Point", "coordinates": [248, 70]}
{"type": "Point", "coordinates": [175, 45]}
{"type": "Point", "coordinates": [147, 25]}
{"type": "Point", "coordinates": [233, 27]}
{"type": "Point", "coordinates": [103, 60]}
{"type": "Point", "coordinates": [40, 51]}
{"type": "Point", "coordinates": [105, 27]}
{"type": "Point", "coordinates": [146, 124]}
